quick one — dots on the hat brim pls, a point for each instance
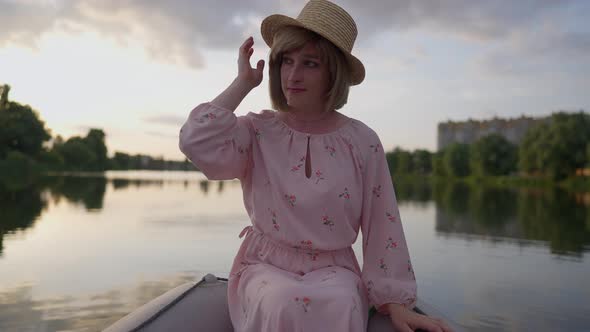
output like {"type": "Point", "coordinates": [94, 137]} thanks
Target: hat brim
{"type": "Point", "coordinates": [274, 23]}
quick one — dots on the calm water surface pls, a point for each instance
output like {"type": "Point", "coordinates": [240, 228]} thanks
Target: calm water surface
{"type": "Point", "coordinates": [79, 252]}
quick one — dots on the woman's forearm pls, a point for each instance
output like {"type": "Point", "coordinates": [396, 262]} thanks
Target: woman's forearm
{"type": "Point", "coordinates": [231, 97]}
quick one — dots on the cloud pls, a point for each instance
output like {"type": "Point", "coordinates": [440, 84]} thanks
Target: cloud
{"type": "Point", "coordinates": [178, 31]}
{"type": "Point", "coordinates": [531, 52]}
{"type": "Point", "coordinates": [172, 31]}
{"type": "Point", "coordinates": [479, 20]}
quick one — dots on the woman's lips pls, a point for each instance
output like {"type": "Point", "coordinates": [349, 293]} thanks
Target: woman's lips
{"type": "Point", "coordinates": [295, 90]}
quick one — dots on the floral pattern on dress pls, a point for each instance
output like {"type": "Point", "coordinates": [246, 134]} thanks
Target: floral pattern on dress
{"type": "Point", "coordinates": [297, 167]}
{"type": "Point", "coordinates": [390, 217]}
{"type": "Point", "coordinates": [382, 265]}
{"type": "Point", "coordinates": [328, 222]}
{"type": "Point", "coordinates": [318, 176]}
{"type": "Point", "coordinates": [348, 144]}
{"type": "Point", "coordinates": [291, 199]}
{"type": "Point", "coordinates": [344, 194]}
{"type": "Point", "coordinates": [273, 216]}
{"type": "Point", "coordinates": [304, 302]}
{"type": "Point", "coordinates": [375, 147]}
{"type": "Point", "coordinates": [313, 255]}
{"type": "Point", "coordinates": [377, 191]}
{"type": "Point", "coordinates": [207, 116]}
{"type": "Point", "coordinates": [307, 245]}
{"type": "Point", "coordinates": [242, 149]}
{"type": "Point", "coordinates": [331, 150]}
{"type": "Point", "coordinates": [391, 244]}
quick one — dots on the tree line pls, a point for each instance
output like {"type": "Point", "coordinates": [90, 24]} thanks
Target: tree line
{"type": "Point", "coordinates": [27, 146]}
{"type": "Point", "coordinates": [556, 149]}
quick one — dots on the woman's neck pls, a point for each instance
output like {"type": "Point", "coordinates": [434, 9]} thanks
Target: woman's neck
{"type": "Point", "coordinates": [311, 122]}
{"type": "Point", "coordinates": [308, 117]}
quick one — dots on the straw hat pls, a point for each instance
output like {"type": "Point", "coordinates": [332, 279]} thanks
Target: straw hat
{"type": "Point", "coordinates": [326, 19]}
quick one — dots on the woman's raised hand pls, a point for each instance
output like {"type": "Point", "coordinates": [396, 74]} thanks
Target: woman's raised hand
{"type": "Point", "coordinates": [248, 78]}
{"type": "Point", "coordinates": [246, 74]}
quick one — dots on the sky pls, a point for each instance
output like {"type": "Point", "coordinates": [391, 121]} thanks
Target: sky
{"type": "Point", "coordinates": [136, 68]}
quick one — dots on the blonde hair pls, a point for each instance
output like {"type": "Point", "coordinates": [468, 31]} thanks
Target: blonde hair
{"type": "Point", "coordinates": [291, 38]}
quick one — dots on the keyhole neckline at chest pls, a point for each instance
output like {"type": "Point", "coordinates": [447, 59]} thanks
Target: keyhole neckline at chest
{"type": "Point", "coordinates": [308, 159]}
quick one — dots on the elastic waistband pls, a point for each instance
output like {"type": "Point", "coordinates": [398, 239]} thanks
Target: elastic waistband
{"type": "Point", "coordinates": [248, 230]}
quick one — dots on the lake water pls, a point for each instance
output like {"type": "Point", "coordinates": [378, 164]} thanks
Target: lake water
{"type": "Point", "coordinates": [79, 252]}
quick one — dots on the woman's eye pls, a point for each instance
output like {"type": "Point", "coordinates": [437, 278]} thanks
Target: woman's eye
{"type": "Point", "coordinates": [287, 61]}
{"type": "Point", "coordinates": [311, 64]}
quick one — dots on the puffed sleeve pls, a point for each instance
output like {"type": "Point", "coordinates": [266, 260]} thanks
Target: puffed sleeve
{"type": "Point", "coordinates": [217, 142]}
{"type": "Point", "coordinates": [387, 271]}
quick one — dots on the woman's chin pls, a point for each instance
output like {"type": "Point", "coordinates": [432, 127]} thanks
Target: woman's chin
{"type": "Point", "coordinates": [297, 102]}
{"type": "Point", "coordinates": [294, 103]}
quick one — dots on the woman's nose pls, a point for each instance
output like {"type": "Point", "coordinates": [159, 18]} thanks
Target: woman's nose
{"type": "Point", "coordinates": [296, 73]}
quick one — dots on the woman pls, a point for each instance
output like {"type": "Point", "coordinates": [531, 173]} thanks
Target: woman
{"type": "Point", "coordinates": [311, 177]}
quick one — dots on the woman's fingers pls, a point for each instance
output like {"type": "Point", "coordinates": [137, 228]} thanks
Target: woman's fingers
{"type": "Point", "coordinates": [260, 65]}
{"type": "Point", "coordinates": [401, 326]}
{"type": "Point", "coordinates": [246, 52]}
{"type": "Point", "coordinates": [246, 73]}
{"type": "Point", "coordinates": [428, 325]}
{"type": "Point", "coordinates": [442, 324]}
{"type": "Point", "coordinates": [247, 43]}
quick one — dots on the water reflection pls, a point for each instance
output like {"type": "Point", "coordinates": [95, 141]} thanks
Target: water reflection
{"type": "Point", "coordinates": [554, 216]}
{"type": "Point", "coordinates": [21, 311]}
{"type": "Point", "coordinates": [22, 202]}
{"type": "Point", "coordinates": [107, 243]}
{"type": "Point", "coordinates": [85, 191]}
{"type": "Point", "coordinates": [19, 208]}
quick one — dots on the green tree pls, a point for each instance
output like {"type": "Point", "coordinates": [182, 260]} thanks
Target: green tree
{"type": "Point", "coordinates": [456, 159]}
{"type": "Point", "coordinates": [95, 142]}
{"type": "Point", "coordinates": [404, 162]}
{"type": "Point", "coordinates": [4, 96]}
{"type": "Point", "coordinates": [438, 165]}
{"type": "Point", "coordinates": [77, 155]}
{"type": "Point", "coordinates": [51, 160]}
{"type": "Point", "coordinates": [121, 161]}
{"type": "Point", "coordinates": [493, 155]}
{"type": "Point", "coordinates": [17, 168]}
{"type": "Point", "coordinates": [399, 161]}
{"type": "Point", "coordinates": [422, 161]}
{"type": "Point", "coordinates": [22, 130]}
{"type": "Point", "coordinates": [557, 147]}
{"type": "Point", "coordinates": [391, 158]}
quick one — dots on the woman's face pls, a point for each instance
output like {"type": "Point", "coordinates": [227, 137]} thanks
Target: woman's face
{"type": "Point", "coordinates": [304, 78]}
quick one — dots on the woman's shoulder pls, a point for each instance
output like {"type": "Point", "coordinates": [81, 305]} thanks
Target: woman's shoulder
{"type": "Point", "coordinates": [363, 131]}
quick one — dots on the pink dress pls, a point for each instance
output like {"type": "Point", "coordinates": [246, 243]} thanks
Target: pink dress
{"type": "Point", "coordinates": [296, 269]}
